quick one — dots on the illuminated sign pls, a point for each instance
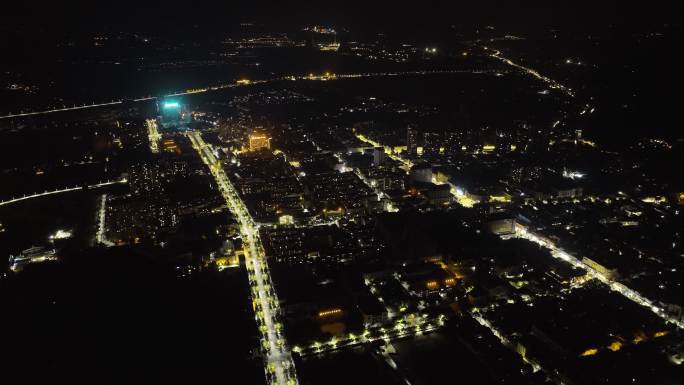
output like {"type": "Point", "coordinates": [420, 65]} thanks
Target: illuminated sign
{"type": "Point", "coordinates": [171, 105]}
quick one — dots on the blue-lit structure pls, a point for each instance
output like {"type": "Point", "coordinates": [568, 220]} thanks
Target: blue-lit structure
{"type": "Point", "coordinates": [172, 114]}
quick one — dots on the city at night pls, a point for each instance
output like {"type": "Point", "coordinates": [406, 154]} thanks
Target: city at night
{"type": "Point", "coordinates": [298, 193]}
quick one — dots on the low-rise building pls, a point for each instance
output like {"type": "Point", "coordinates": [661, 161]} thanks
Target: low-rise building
{"type": "Point", "coordinates": [34, 254]}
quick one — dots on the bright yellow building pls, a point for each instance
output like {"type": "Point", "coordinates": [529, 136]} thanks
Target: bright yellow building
{"type": "Point", "coordinates": [257, 141]}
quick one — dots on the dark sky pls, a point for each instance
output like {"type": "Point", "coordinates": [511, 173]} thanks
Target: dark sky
{"type": "Point", "coordinates": [412, 15]}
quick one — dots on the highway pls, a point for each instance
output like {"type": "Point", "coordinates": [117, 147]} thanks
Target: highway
{"type": "Point", "coordinates": [46, 193]}
{"type": "Point", "coordinates": [279, 366]}
{"type": "Point", "coordinates": [244, 83]}
{"type": "Point", "coordinates": [632, 295]}
{"type": "Point", "coordinates": [74, 108]}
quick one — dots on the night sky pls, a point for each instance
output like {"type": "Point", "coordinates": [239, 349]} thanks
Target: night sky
{"type": "Point", "coordinates": [152, 15]}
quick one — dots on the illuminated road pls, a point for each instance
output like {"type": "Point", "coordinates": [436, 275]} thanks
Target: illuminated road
{"type": "Point", "coordinates": [477, 316]}
{"type": "Point", "coordinates": [378, 192]}
{"type": "Point", "coordinates": [153, 135]}
{"type": "Point", "coordinates": [458, 195]}
{"type": "Point", "coordinates": [421, 326]}
{"type": "Point", "coordinates": [74, 108]}
{"type": "Point", "coordinates": [406, 164]}
{"type": "Point", "coordinates": [628, 293]}
{"type": "Point", "coordinates": [243, 83]}
{"type": "Point", "coordinates": [550, 82]}
{"type": "Point", "coordinates": [46, 193]}
{"type": "Point", "coordinates": [101, 228]}
{"type": "Point", "coordinates": [278, 360]}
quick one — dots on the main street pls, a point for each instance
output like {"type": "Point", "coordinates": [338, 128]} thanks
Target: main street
{"type": "Point", "coordinates": [153, 135]}
{"type": "Point", "coordinates": [632, 295]}
{"type": "Point", "coordinates": [278, 359]}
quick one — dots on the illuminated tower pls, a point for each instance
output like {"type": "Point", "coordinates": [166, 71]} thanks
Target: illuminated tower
{"type": "Point", "coordinates": [172, 113]}
{"type": "Point", "coordinates": [411, 140]}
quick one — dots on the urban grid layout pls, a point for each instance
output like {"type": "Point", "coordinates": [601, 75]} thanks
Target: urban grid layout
{"type": "Point", "coordinates": [286, 194]}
